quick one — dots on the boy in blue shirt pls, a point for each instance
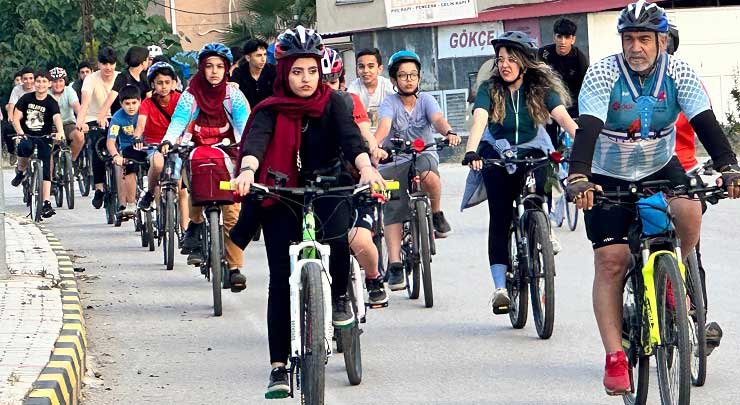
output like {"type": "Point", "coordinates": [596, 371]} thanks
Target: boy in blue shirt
{"type": "Point", "coordinates": [122, 145]}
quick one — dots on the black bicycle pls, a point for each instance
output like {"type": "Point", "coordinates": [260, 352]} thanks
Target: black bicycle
{"type": "Point", "coordinates": [83, 165]}
{"type": "Point", "coordinates": [530, 252]}
{"type": "Point", "coordinates": [62, 175]}
{"type": "Point", "coordinates": [168, 215]}
{"type": "Point", "coordinates": [144, 220]}
{"type": "Point", "coordinates": [417, 241]}
{"type": "Point", "coordinates": [33, 182]}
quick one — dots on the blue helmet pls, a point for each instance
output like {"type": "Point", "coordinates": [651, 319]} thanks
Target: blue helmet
{"type": "Point", "coordinates": [163, 68]}
{"type": "Point", "coordinates": [215, 49]}
{"type": "Point", "coordinates": [642, 16]}
{"type": "Point", "coordinates": [401, 57]}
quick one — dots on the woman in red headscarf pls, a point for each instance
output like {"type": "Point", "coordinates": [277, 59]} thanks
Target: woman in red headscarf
{"type": "Point", "coordinates": [302, 129]}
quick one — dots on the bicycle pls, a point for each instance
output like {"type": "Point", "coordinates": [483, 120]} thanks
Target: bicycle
{"type": "Point", "coordinates": [655, 312]}
{"type": "Point", "coordinates": [144, 220]}
{"type": "Point", "coordinates": [62, 175]}
{"type": "Point", "coordinates": [417, 241]}
{"type": "Point", "coordinates": [530, 252]}
{"type": "Point", "coordinates": [110, 186]}
{"type": "Point", "coordinates": [83, 165]}
{"type": "Point", "coordinates": [168, 215]}
{"type": "Point", "coordinates": [33, 181]}
{"type": "Point", "coordinates": [564, 204]}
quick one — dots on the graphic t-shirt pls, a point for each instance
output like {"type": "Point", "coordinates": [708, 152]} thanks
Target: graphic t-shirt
{"type": "Point", "coordinates": [125, 79]}
{"type": "Point", "coordinates": [156, 122]}
{"type": "Point", "coordinates": [122, 126]}
{"type": "Point", "coordinates": [38, 115]}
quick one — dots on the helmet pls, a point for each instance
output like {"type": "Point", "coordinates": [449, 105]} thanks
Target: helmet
{"type": "Point", "coordinates": [518, 40]}
{"type": "Point", "coordinates": [160, 68]}
{"type": "Point", "coordinates": [673, 37]}
{"type": "Point", "coordinates": [300, 41]}
{"type": "Point", "coordinates": [399, 57]}
{"type": "Point", "coordinates": [154, 51]}
{"type": "Point", "coordinates": [215, 49]}
{"type": "Point", "coordinates": [642, 16]}
{"type": "Point", "coordinates": [58, 73]}
{"type": "Point", "coordinates": [331, 64]}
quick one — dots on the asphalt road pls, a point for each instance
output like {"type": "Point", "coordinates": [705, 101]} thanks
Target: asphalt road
{"type": "Point", "coordinates": [153, 338]}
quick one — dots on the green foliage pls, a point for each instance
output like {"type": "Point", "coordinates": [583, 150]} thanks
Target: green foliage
{"type": "Point", "coordinates": [47, 33]}
{"type": "Point", "coordinates": [266, 19]}
{"type": "Point", "coordinates": [732, 124]}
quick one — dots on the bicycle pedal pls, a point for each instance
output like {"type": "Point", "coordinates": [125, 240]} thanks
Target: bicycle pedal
{"type": "Point", "coordinates": [376, 306]}
{"type": "Point", "coordinates": [501, 310]}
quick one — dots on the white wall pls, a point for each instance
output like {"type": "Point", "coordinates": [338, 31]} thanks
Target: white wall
{"type": "Point", "coordinates": [710, 43]}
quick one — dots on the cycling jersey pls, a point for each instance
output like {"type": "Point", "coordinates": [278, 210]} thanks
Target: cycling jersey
{"type": "Point", "coordinates": [685, 143]}
{"type": "Point", "coordinates": [628, 148]}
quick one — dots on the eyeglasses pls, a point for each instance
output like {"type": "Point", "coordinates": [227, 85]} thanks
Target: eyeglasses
{"type": "Point", "coordinates": [512, 61]}
{"type": "Point", "coordinates": [408, 77]}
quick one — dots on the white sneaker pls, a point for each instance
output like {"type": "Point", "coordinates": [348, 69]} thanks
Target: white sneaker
{"type": "Point", "coordinates": [500, 302]}
{"type": "Point", "coordinates": [130, 209]}
{"type": "Point", "coordinates": [556, 248]}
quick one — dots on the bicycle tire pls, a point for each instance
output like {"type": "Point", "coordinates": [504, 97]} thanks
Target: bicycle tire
{"type": "Point", "coordinates": [572, 216]}
{"type": "Point", "coordinates": [90, 172]}
{"type": "Point", "coordinates": [57, 187]}
{"type": "Point", "coordinates": [169, 230]}
{"type": "Point", "coordinates": [349, 341]}
{"type": "Point", "coordinates": [378, 241]}
{"type": "Point", "coordinates": [37, 191]}
{"type": "Point", "coordinates": [83, 181]}
{"type": "Point", "coordinates": [140, 226]}
{"type": "Point", "coordinates": [697, 326]}
{"type": "Point", "coordinates": [542, 280]}
{"type": "Point", "coordinates": [69, 181]}
{"type": "Point", "coordinates": [411, 264]}
{"type": "Point", "coordinates": [149, 222]}
{"type": "Point", "coordinates": [640, 389]}
{"type": "Point", "coordinates": [425, 254]}
{"type": "Point", "coordinates": [675, 347]}
{"type": "Point", "coordinates": [313, 353]}
{"type": "Point", "coordinates": [516, 285]}
{"type": "Point", "coordinates": [110, 200]}
{"type": "Point", "coordinates": [215, 253]}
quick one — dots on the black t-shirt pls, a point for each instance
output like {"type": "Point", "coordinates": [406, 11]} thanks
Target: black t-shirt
{"type": "Point", "coordinates": [571, 67]}
{"type": "Point", "coordinates": [124, 79]}
{"type": "Point", "coordinates": [254, 90]}
{"type": "Point", "coordinates": [38, 115]}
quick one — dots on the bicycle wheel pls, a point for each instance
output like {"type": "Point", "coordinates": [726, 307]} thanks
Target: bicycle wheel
{"type": "Point", "coordinates": [571, 212]}
{"type": "Point", "coordinates": [169, 229]}
{"type": "Point", "coordinates": [81, 175]}
{"type": "Point", "coordinates": [638, 395]}
{"type": "Point", "coordinates": [425, 254]}
{"type": "Point", "coordinates": [673, 356]}
{"type": "Point", "coordinates": [68, 178]}
{"type": "Point", "coordinates": [90, 181]}
{"type": "Point", "coordinates": [57, 186]}
{"type": "Point", "coordinates": [110, 200]}
{"type": "Point", "coordinates": [349, 341]}
{"type": "Point", "coordinates": [313, 353]}
{"type": "Point", "coordinates": [410, 259]}
{"type": "Point", "coordinates": [140, 225]}
{"type": "Point", "coordinates": [697, 321]}
{"type": "Point", "coordinates": [37, 190]}
{"type": "Point", "coordinates": [542, 280]}
{"type": "Point", "coordinates": [149, 229]}
{"type": "Point", "coordinates": [516, 284]}
{"type": "Point", "coordinates": [215, 254]}
{"type": "Point", "coordinates": [378, 241]}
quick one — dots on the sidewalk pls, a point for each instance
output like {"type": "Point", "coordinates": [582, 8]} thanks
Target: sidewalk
{"type": "Point", "coordinates": [41, 330]}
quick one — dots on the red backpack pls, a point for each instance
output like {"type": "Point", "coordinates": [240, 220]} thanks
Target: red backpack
{"type": "Point", "coordinates": [209, 166]}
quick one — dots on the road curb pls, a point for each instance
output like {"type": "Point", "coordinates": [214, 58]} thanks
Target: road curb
{"type": "Point", "coordinates": [60, 381]}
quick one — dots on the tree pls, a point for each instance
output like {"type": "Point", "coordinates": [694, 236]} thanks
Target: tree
{"type": "Point", "coordinates": [47, 33]}
{"type": "Point", "coordinates": [266, 19]}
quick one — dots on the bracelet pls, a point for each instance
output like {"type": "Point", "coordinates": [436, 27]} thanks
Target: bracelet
{"type": "Point", "coordinates": [245, 168]}
{"type": "Point", "coordinates": [450, 132]}
{"type": "Point", "coordinates": [578, 179]}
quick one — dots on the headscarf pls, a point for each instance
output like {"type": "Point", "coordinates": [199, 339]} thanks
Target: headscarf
{"type": "Point", "coordinates": [208, 97]}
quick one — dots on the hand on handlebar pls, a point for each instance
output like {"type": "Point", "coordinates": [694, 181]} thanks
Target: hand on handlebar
{"type": "Point", "coordinates": [453, 138]}
{"type": "Point", "coordinates": [730, 180]}
{"type": "Point", "coordinates": [581, 191]}
{"type": "Point", "coordinates": [102, 121]}
{"type": "Point", "coordinates": [370, 175]}
{"type": "Point", "coordinates": [118, 160]}
{"type": "Point", "coordinates": [244, 182]}
{"type": "Point", "coordinates": [378, 155]}
{"type": "Point", "coordinates": [83, 127]}
{"type": "Point", "coordinates": [59, 136]}
{"type": "Point", "coordinates": [473, 160]}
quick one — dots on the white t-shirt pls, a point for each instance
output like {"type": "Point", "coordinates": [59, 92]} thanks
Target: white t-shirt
{"type": "Point", "coordinates": [99, 90]}
{"type": "Point", "coordinates": [372, 101]}
{"type": "Point", "coordinates": [18, 92]}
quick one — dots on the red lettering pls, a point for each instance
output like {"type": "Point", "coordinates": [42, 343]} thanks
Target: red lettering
{"type": "Point", "coordinates": [453, 40]}
{"type": "Point", "coordinates": [464, 39]}
{"type": "Point", "coordinates": [491, 36]}
{"type": "Point", "coordinates": [473, 41]}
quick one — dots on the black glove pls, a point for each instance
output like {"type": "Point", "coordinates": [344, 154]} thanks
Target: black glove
{"type": "Point", "coordinates": [389, 159]}
{"type": "Point", "coordinates": [730, 175]}
{"type": "Point", "coordinates": [161, 145]}
{"type": "Point", "coordinates": [470, 157]}
{"type": "Point", "coordinates": [578, 185]}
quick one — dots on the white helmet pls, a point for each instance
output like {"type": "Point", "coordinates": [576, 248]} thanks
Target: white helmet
{"type": "Point", "coordinates": [154, 51]}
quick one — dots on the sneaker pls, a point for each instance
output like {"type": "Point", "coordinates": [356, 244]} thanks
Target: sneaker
{"type": "Point", "coordinates": [97, 200]}
{"type": "Point", "coordinates": [18, 179]}
{"type": "Point", "coordinates": [556, 248]}
{"type": "Point", "coordinates": [191, 239]}
{"type": "Point", "coordinates": [442, 228]}
{"type": "Point", "coordinates": [714, 335]}
{"type": "Point", "coordinates": [342, 315]}
{"type": "Point", "coordinates": [616, 374]}
{"type": "Point", "coordinates": [129, 210]}
{"type": "Point", "coordinates": [500, 302]}
{"type": "Point", "coordinates": [195, 258]}
{"type": "Point", "coordinates": [396, 278]}
{"type": "Point", "coordinates": [376, 291]}
{"type": "Point", "coordinates": [47, 210]}
{"type": "Point", "coordinates": [237, 281]}
{"type": "Point", "coordinates": [145, 202]}
{"type": "Point", "coordinates": [278, 386]}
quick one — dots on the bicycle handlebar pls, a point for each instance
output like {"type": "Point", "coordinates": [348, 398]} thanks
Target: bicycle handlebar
{"type": "Point", "coordinates": [650, 188]}
{"type": "Point", "coordinates": [519, 162]}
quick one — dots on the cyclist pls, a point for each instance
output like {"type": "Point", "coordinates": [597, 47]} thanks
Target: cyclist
{"type": "Point", "coordinates": [686, 153]}
{"type": "Point", "coordinates": [254, 75]}
{"type": "Point", "coordinates": [95, 91]}
{"type": "Point", "coordinates": [513, 105]}
{"type": "Point", "coordinates": [137, 60]}
{"type": "Point", "coordinates": [621, 143]}
{"type": "Point", "coordinates": [121, 133]}
{"type": "Point", "coordinates": [360, 236]}
{"type": "Point", "coordinates": [370, 85]}
{"type": "Point", "coordinates": [26, 86]}
{"type": "Point", "coordinates": [303, 128]}
{"type": "Point", "coordinates": [84, 69]}
{"type": "Point", "coordinates": [155, 115]}
{"type": "Point", "coordinates": [211, 111]}
{"type": "Point", "coordinates": [410, 114]}
{"type": "Point", "coordinates": [69, 106]}
{"type": "Point", "coordinates": [37, 113]}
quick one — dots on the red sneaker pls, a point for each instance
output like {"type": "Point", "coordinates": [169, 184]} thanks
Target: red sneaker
{"type": "Point", "coordinates": [616, 374]}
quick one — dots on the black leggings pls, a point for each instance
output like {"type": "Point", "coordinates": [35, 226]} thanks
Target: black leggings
{"type": "Point", "coordinates": [98, 165]}
{"type": "Point", "coordinates": [43, 151]}
{"type": "Point", "coordinates": [502, 188]}
{"type": "Point", "coordinates": [281, 226]}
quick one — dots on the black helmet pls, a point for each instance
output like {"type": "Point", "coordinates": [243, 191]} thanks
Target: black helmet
{"type": "Point", "coordinates": [518, 40]}
{"type": "Point", "coordinates": [299, 41]}
{"type": "Point", "coordinates": [673, 39]}
{"type": "Point", "coordinates": [642, 16]}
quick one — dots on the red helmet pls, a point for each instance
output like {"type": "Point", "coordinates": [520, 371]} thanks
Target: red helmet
{"type": "Point", "coordinates": [331, 64]}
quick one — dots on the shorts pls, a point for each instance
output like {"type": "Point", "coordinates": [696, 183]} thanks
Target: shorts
{"type": "Point", "coordinates": [365, 218]}
{"type": "Point", "coordinates": [609, 224]}
{"type": "Point", "coordinates": [144, 155]}
{"type": "Point", "coordinates": [397, 211]}
{"type": "Point", "coordinates": [68, 129]}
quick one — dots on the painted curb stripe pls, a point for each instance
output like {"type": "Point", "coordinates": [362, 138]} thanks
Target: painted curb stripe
{"type": "Point", "coordinates": [60, 381]}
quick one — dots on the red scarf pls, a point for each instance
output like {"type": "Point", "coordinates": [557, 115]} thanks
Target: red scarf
{"type": "Point", "coordinates": [282, 152]}
{"type": "Point", "coordinates": [209, 98]}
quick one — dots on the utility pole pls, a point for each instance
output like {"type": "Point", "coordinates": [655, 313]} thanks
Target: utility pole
{"type": "Point", "coordinates": [87, 29]}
